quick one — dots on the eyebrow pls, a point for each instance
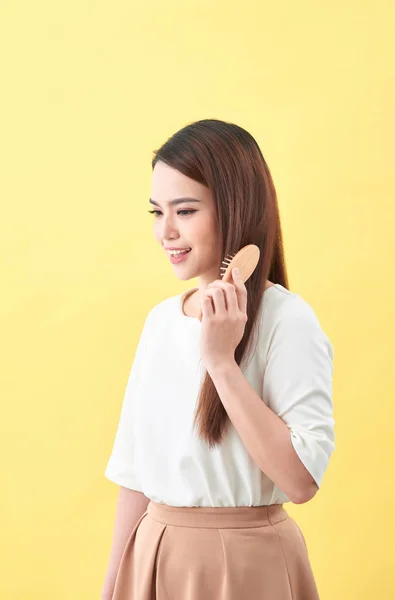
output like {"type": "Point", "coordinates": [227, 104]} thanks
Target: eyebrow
{"type": "Point", "coordinates": [176, 201]}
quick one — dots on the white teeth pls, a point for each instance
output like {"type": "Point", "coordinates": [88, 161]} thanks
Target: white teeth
{"type": "Point", "coordinates": [176, 252]}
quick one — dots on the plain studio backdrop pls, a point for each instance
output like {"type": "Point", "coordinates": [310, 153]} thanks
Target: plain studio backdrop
{"type": "Point", "coordinates": [88, 90]}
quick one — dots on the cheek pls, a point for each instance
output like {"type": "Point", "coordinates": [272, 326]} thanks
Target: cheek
{"type": "Point", "coordinates": [211, 238]}
{"type": "Point", "coordinates": [205, 229]}
{"type": "Point", "coordinates": [204, 236]}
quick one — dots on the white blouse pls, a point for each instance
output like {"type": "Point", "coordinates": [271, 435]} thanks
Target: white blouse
{"type": "Point", "coordinates": [156, 450]}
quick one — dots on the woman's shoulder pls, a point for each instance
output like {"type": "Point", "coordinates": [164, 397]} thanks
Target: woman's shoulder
{"type": "Point", "coordinates": [287, 315]}
{"type": "Point", "coordinates": [280, 303]}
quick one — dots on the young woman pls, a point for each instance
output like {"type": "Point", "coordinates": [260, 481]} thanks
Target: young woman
{"type": "Point", "coordinates": [226, 419]}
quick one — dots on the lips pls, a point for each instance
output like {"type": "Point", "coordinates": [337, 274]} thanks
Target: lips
{"type": "Point", "coordinates": [180, 257]}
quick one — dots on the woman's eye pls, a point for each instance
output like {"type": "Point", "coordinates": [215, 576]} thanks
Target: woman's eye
{"type": "Point", "coordinates": [186, 212]}
{"type": "Point", "coordinates": [180, 212]}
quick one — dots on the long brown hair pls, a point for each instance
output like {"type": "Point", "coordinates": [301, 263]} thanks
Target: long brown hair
{"type": "Point", "coordinates": [227, 159]}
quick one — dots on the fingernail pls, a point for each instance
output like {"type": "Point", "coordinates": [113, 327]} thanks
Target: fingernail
{"type": "Point", "coordinates": [236, 272]}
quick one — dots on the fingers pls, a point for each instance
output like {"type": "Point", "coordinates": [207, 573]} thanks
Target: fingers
{"type": "Point", "coordinates": [207, 308]}
{"type": "Point", "coordinates": [218, 300]}
{"type": "Point", "coordinates": [233, 291]}
{"type": "Point", "coordinates": [224, 296]}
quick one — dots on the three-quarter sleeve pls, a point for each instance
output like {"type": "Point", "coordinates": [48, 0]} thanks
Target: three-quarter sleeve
{"type": "Point", "coordinates": [120, 465]}
{"type": "Point", "coordinates": [297, 384]}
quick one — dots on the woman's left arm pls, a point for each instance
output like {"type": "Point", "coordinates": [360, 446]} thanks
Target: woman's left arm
{"type": "Point", "coordinates": [264, 434]}
{"type": "Point", "coordinates": [272, 441]}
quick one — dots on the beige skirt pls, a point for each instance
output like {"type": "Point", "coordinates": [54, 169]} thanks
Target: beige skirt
{"type": "Point", "coordinates": [199, 553]}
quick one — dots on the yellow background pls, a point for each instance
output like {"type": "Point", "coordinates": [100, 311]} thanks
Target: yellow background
{"type": "Point", "coordinates": [89, 90]}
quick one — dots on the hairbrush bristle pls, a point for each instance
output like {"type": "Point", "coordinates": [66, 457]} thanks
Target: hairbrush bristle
{"type": "Point", "coordinates": [225, 263]}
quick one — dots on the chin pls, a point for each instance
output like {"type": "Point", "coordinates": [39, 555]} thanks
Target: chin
{"type": "Point", "coordinates": [186, 274]}
{"type": "Point", "coordinates": [184, 277]}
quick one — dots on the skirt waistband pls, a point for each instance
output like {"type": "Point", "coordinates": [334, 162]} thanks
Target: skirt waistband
{"type": "Point", "coordinates": [217, 517]}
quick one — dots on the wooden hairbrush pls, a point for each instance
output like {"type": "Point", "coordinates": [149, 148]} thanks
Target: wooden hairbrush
{"type": "Point", "coordinates": [245, 260]}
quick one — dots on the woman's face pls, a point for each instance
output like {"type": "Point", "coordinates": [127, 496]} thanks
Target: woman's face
{"type": "Point", "coordinates": [185, 224]}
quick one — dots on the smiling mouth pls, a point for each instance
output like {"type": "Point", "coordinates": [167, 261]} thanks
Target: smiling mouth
{"type": "Point", "coordinates": [178, 252]}
{"type": "Point", "coordinates": [180, 257]}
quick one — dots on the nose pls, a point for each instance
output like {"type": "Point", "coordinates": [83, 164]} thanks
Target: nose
{"type": "Point", "coordinates": [168, 229]}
